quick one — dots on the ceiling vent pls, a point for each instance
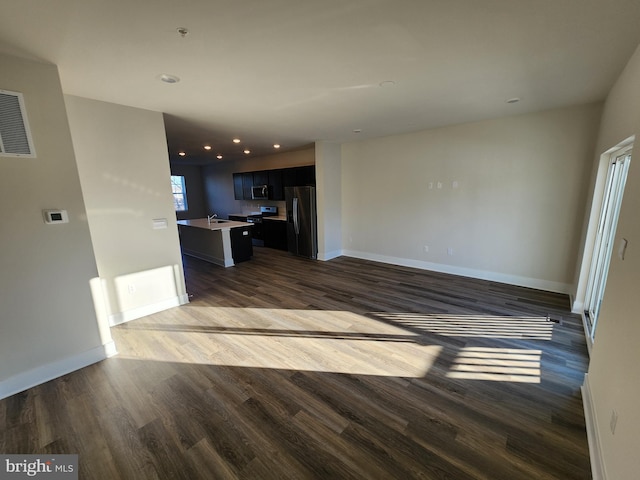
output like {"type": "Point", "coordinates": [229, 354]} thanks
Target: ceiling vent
{"type": "Point", "coordinates": [15, 136]}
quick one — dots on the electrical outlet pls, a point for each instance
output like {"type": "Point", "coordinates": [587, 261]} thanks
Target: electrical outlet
{"type": "Point", "coordinates": [426, 249]}
{"type": "Point", "coordinates": [450, 251]}
{"type": "Point", "coordinates": [131, 288]}
{"type": "Point", "coordinates": [439, 184]}
{"type": "Point", "coordinates": [430, 185]}
{"type": "Point", "coordinates": [613, 421]}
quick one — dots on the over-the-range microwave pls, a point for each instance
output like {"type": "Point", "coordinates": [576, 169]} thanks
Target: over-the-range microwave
{"type": "Point", "coordinates": [260, 192]}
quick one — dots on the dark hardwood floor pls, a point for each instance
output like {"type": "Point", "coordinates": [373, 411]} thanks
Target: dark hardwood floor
{"type": "Point", "coordinates": [286, 368]}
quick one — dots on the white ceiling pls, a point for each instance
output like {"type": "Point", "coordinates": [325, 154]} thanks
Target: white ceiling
{"type": "Point", "coordinates": [297, 71]}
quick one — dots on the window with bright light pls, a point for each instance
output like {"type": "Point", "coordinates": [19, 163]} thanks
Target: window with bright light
{"type": "Point", "coordinates": [179, 193]}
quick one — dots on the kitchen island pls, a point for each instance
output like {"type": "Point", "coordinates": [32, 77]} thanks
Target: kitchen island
{"type": "Point", "coordinates": [222, 242]}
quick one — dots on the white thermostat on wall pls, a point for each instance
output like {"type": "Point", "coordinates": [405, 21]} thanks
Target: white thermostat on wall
{"type": "Point", "coordinates": [55, 216]}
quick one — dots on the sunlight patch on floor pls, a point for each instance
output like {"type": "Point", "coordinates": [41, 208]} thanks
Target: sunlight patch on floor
{"type": "Point", "coordinates": [484, 326]}
{"type": "Point", "coordinates": [306, 340]}
{"type": "Point", "coordinates": [497, 364]}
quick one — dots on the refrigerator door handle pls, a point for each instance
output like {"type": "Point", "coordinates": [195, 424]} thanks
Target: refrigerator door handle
{"type": "Point", "coordinates": [296, 224]}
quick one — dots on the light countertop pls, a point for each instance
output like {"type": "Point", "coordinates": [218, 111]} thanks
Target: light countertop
{"type": "Point", "coordinates": [216, 224]}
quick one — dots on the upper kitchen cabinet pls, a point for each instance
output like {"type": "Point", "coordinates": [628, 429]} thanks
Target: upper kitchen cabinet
{"type": "Point", "coordinates": [238, 192]}
{"type": "Point", "coordinates": [275, 182]}
{"type": "Point", "coordinates": [247, 183]}
{"type": "Point", "coordinates": [299, 176]}
{"type": "Point", "coordinates": [261, 178]}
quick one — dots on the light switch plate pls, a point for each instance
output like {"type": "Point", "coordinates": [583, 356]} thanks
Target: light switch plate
{"type": "Point", "coordinates": [159, 223]}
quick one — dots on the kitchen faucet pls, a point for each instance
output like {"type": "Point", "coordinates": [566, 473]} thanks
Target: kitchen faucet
{"type": "Point", "coordinates": [211, 217]}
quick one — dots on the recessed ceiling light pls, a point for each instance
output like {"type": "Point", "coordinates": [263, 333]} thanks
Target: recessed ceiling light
{"type": "Point", "coordinates": [387, 83]}
{"type": "Point", "coordinates": [166, 78]}
{"type": "Point", "coordinates": [236, 140]}
{"type": "Point", "coordinates": [247, 151]}
{"type": "Point", "coordinates": [182, 154]}
{"type": "Point", "coordinates": [207, 147]}
{"type": "Point", "coordinates": [219, 157]}
{"type": "Point", "coordinates": [513, 100]}
{"type": "Point", "coordinates": [357, 130]}
{"type": "Point", "coordinates": [276, 145]}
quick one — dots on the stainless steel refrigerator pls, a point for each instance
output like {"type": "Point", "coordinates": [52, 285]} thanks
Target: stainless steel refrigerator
{"type": "Point", "coordinates": [302, 237]}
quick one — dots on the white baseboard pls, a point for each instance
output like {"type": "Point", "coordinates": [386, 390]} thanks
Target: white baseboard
{"type": "Point", "coordinates": [325, 256]}
{"type": "Point", "coordinates": [536, 283]}
{"type": "Point", "coordinates": [36, 376]}
{"type": "Point", "coordinates": [110, 349]}
{"type": "Point", "coordinates": [127, 316]}
{"type": "Point", "coordinates": [598, 471]}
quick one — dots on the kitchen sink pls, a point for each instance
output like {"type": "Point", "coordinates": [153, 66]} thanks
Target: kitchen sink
{"type": "Point", "coordinates": [215, 220]}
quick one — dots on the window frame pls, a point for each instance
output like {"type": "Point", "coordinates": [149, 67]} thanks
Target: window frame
{"type": "Point", "coordinates": [179, 192]}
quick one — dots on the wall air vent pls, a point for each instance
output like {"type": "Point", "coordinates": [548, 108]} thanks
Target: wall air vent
{"type": "Point", "coordinates": [15, 136]}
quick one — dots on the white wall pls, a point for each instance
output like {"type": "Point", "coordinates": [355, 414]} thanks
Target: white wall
{"type": "Point", "coordinates": [124, 171]}
{"type": "Point", "coordinates": [514, 215]}
{"type": "Point", "coordinates": [614, 378]}
{"type": "Point", "coordinates": [48, 325]}
{"type": "Point", "coordinates": [329, 199]}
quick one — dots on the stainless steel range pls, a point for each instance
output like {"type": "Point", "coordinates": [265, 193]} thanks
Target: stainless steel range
{"type": "Point", "coordinates": [256, 220]}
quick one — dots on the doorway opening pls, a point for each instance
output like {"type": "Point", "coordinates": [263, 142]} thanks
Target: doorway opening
{"type": "Point", "coordinates": [618, 162]}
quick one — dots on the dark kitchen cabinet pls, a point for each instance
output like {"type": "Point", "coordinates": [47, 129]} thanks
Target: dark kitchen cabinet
{"type": "Point", "coordinates": [289, 177]}
{"type": "Point", "coordinates": [247, 183]}
{"type": "Point", "coordinates": [275, 234]}
{"type": "Point", "coordinates": [241, 244]}
{"type": "Point", "coordinates": [308, 175]}
{"type": "Point", "coordinates": [261, 178]}
{"type": "Point", "coordinates": [238, 192]}
{"type": "Point", "coordinates": [275, 182]}
{"type": "Point", "coordinates": [277, 179]}
{"type": "Point", "coordinates": [300, 176]}
{"type": "Point", "coordinates": [242, 183]}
